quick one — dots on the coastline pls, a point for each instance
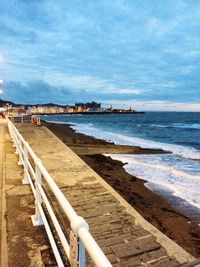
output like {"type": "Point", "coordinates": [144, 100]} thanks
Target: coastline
{"type": "Point", "coordinates": [151, 206]}
{"type": "Point", "coordinates": [91, 113]}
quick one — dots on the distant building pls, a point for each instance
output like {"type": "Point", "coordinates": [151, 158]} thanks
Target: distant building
{"type": "Point", "coordinates": [46, 109]}
{"type": "Point", "coordinates": [80, 107]}
{"type": "Point", "coordinates": [93, 105]}
{"type": "Point", "coordinates": [70, 109]}
{"type": "Point", "coordinates": [20, 111]}
{"type": "Point", "coordinates": [84, 107]}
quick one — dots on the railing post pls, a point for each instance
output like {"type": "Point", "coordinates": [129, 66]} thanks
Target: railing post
{"type": "Point", "coordinates": [13, 137]}
{"type": "Point", "coordinates": [36, 218]}
{"type": "Point", "coordinates": [19, 146]}
{"type": "Point", "coordinates": [15, 142]}
{"type": "Point", "coordinates": [26, 177]}
{"type": "Point", "coordinates": [38, 121]}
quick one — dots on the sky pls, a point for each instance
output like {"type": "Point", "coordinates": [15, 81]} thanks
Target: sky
{"type": "Point", "coordinates": [143, 53]}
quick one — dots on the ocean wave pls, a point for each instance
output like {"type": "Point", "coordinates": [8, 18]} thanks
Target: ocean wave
{"type": "Point", "coordinates": [89, 129]}
{"type": "Point", "coordinates": [183, 151]}
{"type": "Point", "coordinates": [194, 126]}
{"type": "Point", "coordinates": [155, 164]}
{"type": "Point", "coordinates": [160, 125]}
{"type": "Point", "coordinates": [187, 125]}
{"type": "Point", "coordinates": [183, 184]}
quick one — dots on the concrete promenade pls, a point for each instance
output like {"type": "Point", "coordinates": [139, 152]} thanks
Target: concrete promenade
{"type": "Point", "coordinates": [22, 245]}
{"type": "Point", "coordinates": [124, 236]}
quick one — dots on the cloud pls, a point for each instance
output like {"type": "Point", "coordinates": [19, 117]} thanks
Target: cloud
{"type": "Point", "coordinates": [89, 83]}
{"type": "Point", "coordinates": [39, 91]}
{"type": "Point", "coordinates": [33, 92]}
{"type": "Point", "coordinates": [110, 51]}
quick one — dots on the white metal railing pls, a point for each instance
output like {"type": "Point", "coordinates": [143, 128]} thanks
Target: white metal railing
{"type": "Point", "coordinates": [25, 118]}
{"type": "Point", "coordinates": [80, 237]}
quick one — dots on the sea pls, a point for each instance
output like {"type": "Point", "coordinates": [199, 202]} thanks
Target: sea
{"type": "Point", "coordinates": [175, 176]}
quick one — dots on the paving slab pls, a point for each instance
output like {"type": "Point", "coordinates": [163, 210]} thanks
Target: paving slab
{"type": "Point", "coordinates": [125, 237]}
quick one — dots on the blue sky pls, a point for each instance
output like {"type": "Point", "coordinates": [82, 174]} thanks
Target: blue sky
{"type": "Point", "coordinates": [140, 53]}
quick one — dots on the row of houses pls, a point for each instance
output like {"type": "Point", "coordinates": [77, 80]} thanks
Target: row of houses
{"type": "Point", "coordinates": [53, 109]}
{"type": "Point", "coordinates": [78, 107]}
{"type": "Point", "coordinates": [16, 110]}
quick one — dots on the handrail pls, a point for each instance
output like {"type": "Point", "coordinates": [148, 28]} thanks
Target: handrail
{"type": "Point", "coordinates": [78, 225]}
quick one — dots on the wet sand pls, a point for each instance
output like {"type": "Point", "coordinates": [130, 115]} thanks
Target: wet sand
{"type": "Point", "coordinates": [166, 217]}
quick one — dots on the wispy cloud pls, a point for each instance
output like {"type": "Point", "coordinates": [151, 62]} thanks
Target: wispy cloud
{"type": "Point", "coordinates": [90, 84]}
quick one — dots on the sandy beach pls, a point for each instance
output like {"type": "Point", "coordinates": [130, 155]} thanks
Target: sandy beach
{"type": "Point", "coordinates": [151, 206]}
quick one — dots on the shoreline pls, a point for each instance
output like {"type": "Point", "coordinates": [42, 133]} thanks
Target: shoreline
{"type": "Point", "coordinates": [93, 113]}
{"type": "Point", "coordinates": [150, 205]}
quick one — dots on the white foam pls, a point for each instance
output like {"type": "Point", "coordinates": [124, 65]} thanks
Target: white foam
{"type": "Point", "coordinates": [57, 122]}
{"type": "Point", "coordinates": [152, 169]}
{"type": "Point", "coordinates": [160, 125]}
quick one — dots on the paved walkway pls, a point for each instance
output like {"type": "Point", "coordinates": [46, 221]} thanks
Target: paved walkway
{"type": "Point", "coordinates": [22, 245]}
{"type": "Point", "coordinates": [125, 237]}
